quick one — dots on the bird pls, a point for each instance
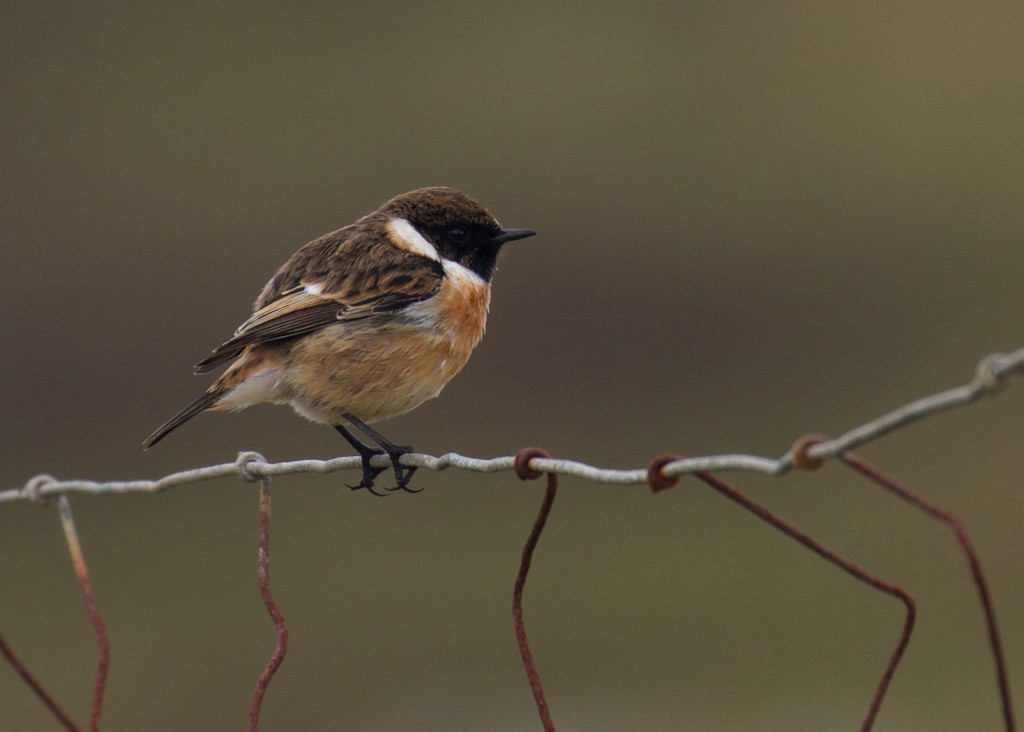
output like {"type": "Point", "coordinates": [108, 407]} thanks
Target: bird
{"type": "Point", "coordinates": [365, 323]}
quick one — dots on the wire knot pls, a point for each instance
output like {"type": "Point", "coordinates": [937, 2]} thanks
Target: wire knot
{"type": "Point", "coordinates": [522, 463]}
{"type": "Point", "coordinates": [657, 480]}
{"type": "Point", "coordinates": [985, 376]}
{"type": "Point", "coordinates": [798, 456]}
{"type": "Point", "coordinates": [33, 489]}
{"type": "Point", "coordinates": [249, 466]}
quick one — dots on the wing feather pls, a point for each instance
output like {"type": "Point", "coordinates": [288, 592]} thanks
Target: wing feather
{"type": "Point", "coordinates": [345, 276]}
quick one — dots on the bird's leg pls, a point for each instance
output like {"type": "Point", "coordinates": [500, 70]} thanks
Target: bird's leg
{"type": "Point", "coordinates": [365, 452]}
{"type": "Point", "coordinates": [403, 473]}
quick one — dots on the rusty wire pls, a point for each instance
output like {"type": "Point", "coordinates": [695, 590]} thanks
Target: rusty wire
{"type": "Point", "coordinates": [99, 627]}
{"type": "Point", "coordinates": [62, 717]}
{"type": "Point", "coordinates": [659, 482]}
{"type": "Point", "coordinates": [525, 472]}
{"type": "Point", "coordinates": [263, 580]}
{"type": "Point", "coordinates": [807, 453]}
{"type": "Point", "coordinates": [978, 577]}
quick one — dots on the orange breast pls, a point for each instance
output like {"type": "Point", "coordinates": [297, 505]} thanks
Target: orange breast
{"type": "Point", "coordinates": [462, 308]}
{"type": "Point", "coordinates": [377, 370]}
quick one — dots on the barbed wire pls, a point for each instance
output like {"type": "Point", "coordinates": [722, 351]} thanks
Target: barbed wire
{"type": "Point", "coordinates": [990, 377]}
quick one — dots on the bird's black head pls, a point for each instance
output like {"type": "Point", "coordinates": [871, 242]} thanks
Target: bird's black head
{"type": "Point", "coordinates": [457, 226]}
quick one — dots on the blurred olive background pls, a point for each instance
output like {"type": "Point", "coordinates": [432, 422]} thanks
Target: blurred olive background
{"type": "Point", "coordinates": [755, 222]}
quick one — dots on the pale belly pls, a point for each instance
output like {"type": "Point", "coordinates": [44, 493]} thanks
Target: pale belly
{"type": "Point", "coordinates": [373, 376]}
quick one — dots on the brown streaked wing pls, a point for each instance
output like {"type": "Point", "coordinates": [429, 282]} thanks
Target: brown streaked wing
{"type": "Point", "coordinates": [391, 283]}
{"type": "Point", "coordinates": [296, 314]}
{"type": "Point", "coordinates": [352, 264]}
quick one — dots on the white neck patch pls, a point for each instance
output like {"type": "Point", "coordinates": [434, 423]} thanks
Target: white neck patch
{"type": "Point", "coordinates": [462, 276]}
{"type": "Point", "coordinates": [405, 236]}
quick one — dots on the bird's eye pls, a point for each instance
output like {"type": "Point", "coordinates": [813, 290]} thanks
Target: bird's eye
{"type": "Point", "coordinates": [458, 234]}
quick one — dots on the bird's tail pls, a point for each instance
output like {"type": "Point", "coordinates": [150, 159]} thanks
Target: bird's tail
{"type": "Point", "coordinates": [205, 401]}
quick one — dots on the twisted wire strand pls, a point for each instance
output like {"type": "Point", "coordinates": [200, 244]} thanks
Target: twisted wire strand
{"type": "Point", "coordinates": [991, 377]}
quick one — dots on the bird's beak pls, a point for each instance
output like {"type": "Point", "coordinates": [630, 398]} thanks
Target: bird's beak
{"type": "Point", "coordinates": [512, 235]}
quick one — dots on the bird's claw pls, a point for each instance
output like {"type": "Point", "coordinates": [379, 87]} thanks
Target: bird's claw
{"type": "Point", "coordinates": [403, 473]}
{"type": "Point", "coordinates": [403, 478]}
{"type": "Point", "coordinates": [369, 473]}
{"type": "Point", "coordinates": [369, 487]}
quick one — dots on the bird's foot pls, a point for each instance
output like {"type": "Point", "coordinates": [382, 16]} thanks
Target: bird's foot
{"type": "Point", "coordinates": [403, 473]}
{"type": "Point", "coordinates": [369, 472]}
{"type": "Point", "coordinates": [366, 452]}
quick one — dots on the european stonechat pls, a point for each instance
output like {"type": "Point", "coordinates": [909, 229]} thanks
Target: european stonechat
{"type": "Point", "coordinates": [365, 323]}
